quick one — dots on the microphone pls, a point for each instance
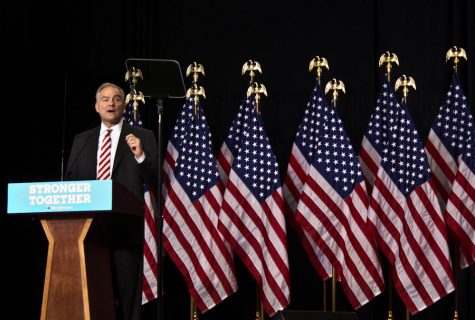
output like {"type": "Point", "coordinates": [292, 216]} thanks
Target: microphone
{"type": "Point", "coordinates": [73, 158]}
{"type": "Point", "coordinates": [63, 129]}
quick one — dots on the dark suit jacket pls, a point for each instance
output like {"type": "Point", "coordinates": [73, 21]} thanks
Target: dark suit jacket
{"type": "Point", "coordinates": [82, 161]}
{"type": "Point", "coordinates": [127, 251]}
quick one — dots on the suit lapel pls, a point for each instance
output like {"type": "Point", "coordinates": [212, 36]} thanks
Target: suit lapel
{"type": "Point", "coordinates": [91, 146]}
{"type": "Point", "coordinates": [121, 146]}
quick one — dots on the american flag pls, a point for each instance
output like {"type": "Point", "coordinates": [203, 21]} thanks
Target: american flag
{"type": "Point", "coordinates": [149, 283]}
{"type": "Point", "coordinates": [251, 217]}
{"type": "Point", "coordinates": [303, 151]}
{"type": "Point", "coordinates": [178, 133]}
{"type": "Point", "coordinates": [231, 145]}
{"type": "Point", "coordinates": [404, 210]}
{"type": "Point", "coordinates": [451, 151]}
{"type": "Point", "coordinates": [333, 205]}
{"type": "Point", "coordinates": [376, 138]}
{"type": "Point", "coordinates": [191, 208]}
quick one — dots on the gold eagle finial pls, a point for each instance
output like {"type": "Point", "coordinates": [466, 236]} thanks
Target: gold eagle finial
{"type": "Point", "coordinates": [388, 58]}
{"type": "Point", "coordinates": [134, 74]}
{"type": "Point", "coordinates": [251, 66]}
{"type": "Point", "coordinates": [456, 53]}
{"type": "Point", "coordinates": [257, 89]}
{"type": "Point", "coordinates": [335, 86]}
{"type": "Point", "coordinates": [195, 69]}
{"type": "Point", "coordinates": [195, 90]}
{"type": "Point", "coordinates": [318, 63]}
{"type": "Point", "coordinates": [405, 82]}
{"type": "Point", "coordinates": [134, 94]}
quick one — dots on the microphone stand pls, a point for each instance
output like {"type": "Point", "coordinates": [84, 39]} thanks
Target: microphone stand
{"type": "Point", "coordinates": [63, 127]}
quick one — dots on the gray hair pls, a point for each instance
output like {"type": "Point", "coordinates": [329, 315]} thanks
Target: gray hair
{"type": "Point", "coordinates": [106, 85]}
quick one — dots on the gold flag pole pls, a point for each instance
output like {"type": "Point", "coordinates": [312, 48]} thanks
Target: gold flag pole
{"type": "Point", "coordinates": [195, 69]}
{"type": "Point", "coordinates": [196, 91]}
{"type": "Point", "coordinates": [456, 54]}
{"type": "Point", "coordinates": [319, 63]}
{"type": "Point", "coordinates": [257, 89]}
{"type": "Point", "coordinates": [335, 86]}
{"type": "Point", "coordinates": [134, 94]}
{"type": "Point", "coordinates": [259, 307]}
{"type": "Point", "coordinates": [193, 311]}
{"type": "Point", "coordinates": [387, 59]}
{"type": "Point", "coordinates": [405, 83]}
{"type": "Point", "coordinates": [252, 67]}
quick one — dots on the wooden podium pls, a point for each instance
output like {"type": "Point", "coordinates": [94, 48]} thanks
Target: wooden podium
{"type": "Point", "coordinates": [78, 281]}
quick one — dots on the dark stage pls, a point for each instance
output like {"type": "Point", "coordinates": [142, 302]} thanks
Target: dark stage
{"type": "Point", "coordinates": [56, 55]}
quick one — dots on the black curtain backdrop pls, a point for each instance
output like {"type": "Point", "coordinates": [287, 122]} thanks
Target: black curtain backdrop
{"type": "Point", "coordinates": [56, 55]}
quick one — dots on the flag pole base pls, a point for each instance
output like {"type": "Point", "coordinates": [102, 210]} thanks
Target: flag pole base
{"type": "Point", "coordinates": [456, 315]}
{"type": "Point", "coordinates": [390, 315]}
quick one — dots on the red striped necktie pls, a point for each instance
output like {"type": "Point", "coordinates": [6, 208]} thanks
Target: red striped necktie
{"type": "Point", "coordinates": [104, 166]}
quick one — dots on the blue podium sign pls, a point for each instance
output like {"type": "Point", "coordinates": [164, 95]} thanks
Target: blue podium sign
{"type": "Point", "coordinates": [59, 196]}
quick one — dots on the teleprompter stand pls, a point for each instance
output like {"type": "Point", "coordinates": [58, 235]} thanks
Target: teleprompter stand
{"type": "Point", "coordinates": [162, 78]}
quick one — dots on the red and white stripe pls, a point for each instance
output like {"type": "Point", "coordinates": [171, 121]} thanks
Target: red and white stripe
{"type": "Point", "coordinates": [169, 167]}
{"type": "Point", "coordinates": [443, 166]}
{"type": "Point", "coordinates": [150, 271]}
{"type": "Point", "coordinates": [411, 232]}
{"type": "Point", "coordinates": [369, 161]}
{"type": "Point", "coordinates": [340, 227]}
{"type": "Point", "coordinates": [460, 212]}
{"type": "Point", "coordinates": [193, 242]}
{"type": "Point", "coordinates": [225, 161]}
{"type": "Point", "coordinates": [454, 184]}
{"type": "Point", "coordinates": [257, 233]}
{"type": "Point", "coordinates": [292, 189]}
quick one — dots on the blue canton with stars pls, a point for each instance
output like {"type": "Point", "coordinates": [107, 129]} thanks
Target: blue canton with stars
{"type": "Point", "coordinates": [182, 123]}
{"type": "Point", "coordinates": [255, 162]}
{"type": "Point", "coordinates": [240, 124]}
{"type": "Point", "coordinates": [378, 128]}
{"type": "Point", "coordinates": [454, 124]}
{"type": "Point", "coordinates": [335, 158]}
{"type": "Point", "coordinates": [196, 168]}
{"type": "Point", "coordinates": [307, 134]}
{"type": "Point", "coordinates": [404, 158]}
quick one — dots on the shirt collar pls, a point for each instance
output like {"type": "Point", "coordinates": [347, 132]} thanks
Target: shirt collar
{"type": "Point", "coordinates": [115, 128]}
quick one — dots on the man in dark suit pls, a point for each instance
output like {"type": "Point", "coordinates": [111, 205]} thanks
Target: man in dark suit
{"type": "Point", "coordinates": [133, 162]}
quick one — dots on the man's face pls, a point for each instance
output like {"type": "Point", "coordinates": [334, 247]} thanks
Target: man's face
{"type": "Point", "coordinates": [110, 106]}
